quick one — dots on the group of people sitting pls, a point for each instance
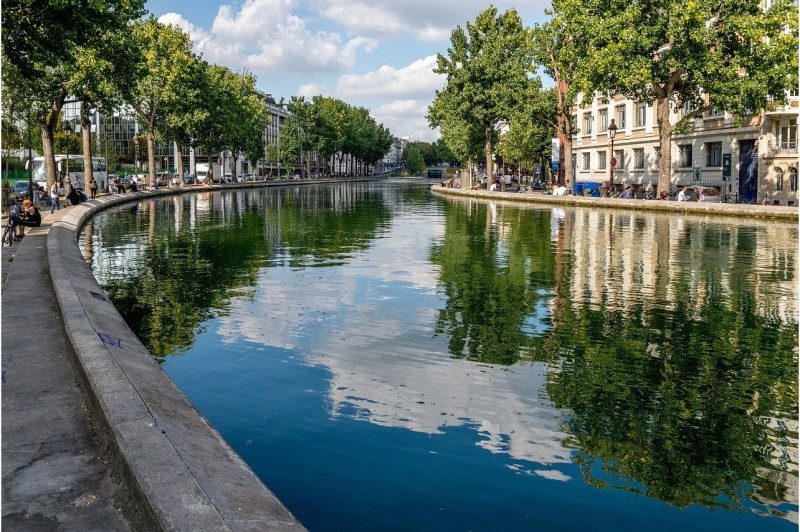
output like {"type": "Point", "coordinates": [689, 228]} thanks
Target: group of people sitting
{"type": "Point", "coordinates": [27, 216]}
{"type": "Point", "coordinates": [452, 183]}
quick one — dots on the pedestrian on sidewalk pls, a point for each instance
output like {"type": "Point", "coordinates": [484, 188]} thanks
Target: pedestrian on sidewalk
{"type": "Point", "coordinates": [54, 194]}
{"type": "Point", "coordinates": [93, 187]}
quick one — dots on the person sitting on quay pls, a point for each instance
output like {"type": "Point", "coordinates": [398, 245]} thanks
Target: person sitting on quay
{"type": "Point", "coordinates": [29, 217]}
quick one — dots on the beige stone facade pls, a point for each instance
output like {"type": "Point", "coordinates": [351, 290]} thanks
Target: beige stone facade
{"type": "Point", "coordinates": [762, 149]}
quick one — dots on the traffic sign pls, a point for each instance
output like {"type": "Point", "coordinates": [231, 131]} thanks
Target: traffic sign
{"type": "Point", "coordinates": [538, 168]}
{"type": "Point", "coordinates": [613, 162]}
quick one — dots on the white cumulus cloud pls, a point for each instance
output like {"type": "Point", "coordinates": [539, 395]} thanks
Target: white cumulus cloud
{"type": "Point", "coordinates": [418, 19]}
{"type": "Point", "coordinates": [397, 97]}
{"type": "Point", "coordinates": [266, 35]}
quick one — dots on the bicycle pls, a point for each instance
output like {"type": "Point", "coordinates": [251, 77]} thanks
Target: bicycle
{"type": "Point", "coordinates": [11, 225]}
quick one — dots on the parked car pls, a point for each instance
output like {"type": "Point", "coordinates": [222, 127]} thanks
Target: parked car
{"type": "Point", "coordinates": [248, 177]}
{"type": "Point", "coordinates": [19, 190]}
{"type": "Point", "coordinates": [188, 179]}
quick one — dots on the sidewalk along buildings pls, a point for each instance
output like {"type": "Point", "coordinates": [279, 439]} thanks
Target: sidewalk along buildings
{"type": "Point", "coordinates": [746, 159]}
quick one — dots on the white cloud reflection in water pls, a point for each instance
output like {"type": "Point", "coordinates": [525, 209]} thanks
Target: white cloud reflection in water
{"type": "Point", "coordinates": [386, 365]}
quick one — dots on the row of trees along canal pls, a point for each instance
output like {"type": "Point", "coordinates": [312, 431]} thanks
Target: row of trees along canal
{"type": "Point", "coordinates": [107, 57]}
{"type": "Point", "coordinates": [730, 55]}
{"type": "Point", "coordinates": [335, 132]}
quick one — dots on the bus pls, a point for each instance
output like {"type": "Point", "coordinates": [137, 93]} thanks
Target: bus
{"type": "Point", "coordinates": [75, 163]}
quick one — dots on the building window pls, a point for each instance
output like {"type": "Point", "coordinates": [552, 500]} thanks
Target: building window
{"type": "Point", "coordinates": [787, 136]}
{"type": "Point", "coordinates": [587, 160]}
{"type": "Point", "coordinates": [620, 116]}
{"type": "Point", "coordinates": [716, 111]}
{"type": "Point", "coordinates": [778, 179]}
{"type": "Point", "coordinates": [601, 160]}
{"type": "Point", "coordinates": [620, 156]}
{"type": "Point", "coordinates": [714, 154]}
{"type": "Point", "coordinates": [638, 158]}
{"type": "Point", "coordinates": [689, 107]}
{"type": "Point", "coordinates": [686, 155]}
{"type": "Point", "coordinates": [793, 179]}
{"type": "Point", "coordinates": [603, 125]}
{"type": "Point", "coordinates": [587, 123]}
{"type": "Point", "coordinates": [641, 114]}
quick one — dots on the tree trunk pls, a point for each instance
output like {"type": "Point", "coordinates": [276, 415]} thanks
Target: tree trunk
{"type": "Point", "coordinates": [489, 162]}
{"type": "Point", "coordinates": [235, 163]}
{"type": "Point", "coordinates": [47, 151]}
{"type": "Point", "coordinates": [565, 123]}
{"type": "Point", "coordinates": [47, 123]}
{"type": "Point", "coordinates": [210, 174]}
{"type": "Point", "coordinates": [665, 137]}
{"type": "Point", "coordinates": [308, 166]}
{"type": "Point", "coordinates": [86, 140]}
{"type": "Point", "coordinates": [151, 155]}
{"type": "Point", "coordinates": [179, 165]}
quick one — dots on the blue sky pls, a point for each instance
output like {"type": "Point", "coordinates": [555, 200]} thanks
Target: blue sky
{"type": "Point", "coordinates": [375, 53]}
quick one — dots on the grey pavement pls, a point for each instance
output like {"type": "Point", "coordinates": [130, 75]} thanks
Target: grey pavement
{"type": "Point", "coordinates": [55, 475]}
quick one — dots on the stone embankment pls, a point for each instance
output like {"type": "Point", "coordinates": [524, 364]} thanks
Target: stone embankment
{"type": "Point", "coordinates": [165, 466]}
{"type": "Point", "coordinates": [764, 212]}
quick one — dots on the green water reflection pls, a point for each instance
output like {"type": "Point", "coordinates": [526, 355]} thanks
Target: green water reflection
{"type": "Point", "coordinates": [671, 343]}
{"type": "Point", "coordinates": [194, 254]}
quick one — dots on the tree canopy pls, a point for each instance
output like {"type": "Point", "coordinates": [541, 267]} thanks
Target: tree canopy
{"type": "Point", "coordinates": [730, 55]}
{"type": "Point", "coordinates": [488, 69]}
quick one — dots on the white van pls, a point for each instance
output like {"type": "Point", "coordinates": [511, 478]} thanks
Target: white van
{"type": "Point", "coordinates": [202, 172]}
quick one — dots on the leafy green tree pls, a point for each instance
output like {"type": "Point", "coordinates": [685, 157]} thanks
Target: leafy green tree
{"type": "Point", "coordinates": [415, 164]}
{"type": "Point", "coordinates": [163, 74]}
{"type": "Point", "coordinates": [560, 45]}
{"type": "Point", "coordinates": [296, 138]}
{"type": "Point", "coordinates": [246, 117]}
{"type": "Point", "coordinates": [530, 129]}
{"type": "Point", "coordinates": [729, 54]}
{"type": "Point", "coordinates": [99, 73]}
{"type": "Point", "coordinates": [488, 69]}
{"type": "Point", "coordinates": [185, 117]}
{"type": "Point", "coordinates": [43, 42]}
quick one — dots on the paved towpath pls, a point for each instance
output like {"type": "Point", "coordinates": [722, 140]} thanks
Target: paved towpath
{"type": "Point", "coordinates": [55, 476]}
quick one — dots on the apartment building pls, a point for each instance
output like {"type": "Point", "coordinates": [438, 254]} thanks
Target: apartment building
{"type": "Point", "coordinates": [748, 159]}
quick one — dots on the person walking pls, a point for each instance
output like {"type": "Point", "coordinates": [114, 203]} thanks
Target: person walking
{"type": "Point", "coordinates": [55, 192]}
{"type": "Point", "coordinates": [93, 187]}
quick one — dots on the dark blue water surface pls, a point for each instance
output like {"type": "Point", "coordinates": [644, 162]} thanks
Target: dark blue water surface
{"type": "Point", "coordinates": [387, 359]}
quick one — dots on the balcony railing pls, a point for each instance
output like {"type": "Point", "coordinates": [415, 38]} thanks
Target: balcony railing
{"type": "Point", "coordinates": [782, 148]}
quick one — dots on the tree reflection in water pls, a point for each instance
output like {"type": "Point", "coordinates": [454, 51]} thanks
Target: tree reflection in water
{"type": "Point", "coordinates": [167, 285]}
{"type": "Point", "coordinates": [673, 344]}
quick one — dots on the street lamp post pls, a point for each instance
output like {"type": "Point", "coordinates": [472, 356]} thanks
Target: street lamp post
{"type": "Point", "coordinates": [612, 132]}
{"type": "Point", "coordinates": [66, 129]}
{"type": "Point", "coordinates": [30, 158]}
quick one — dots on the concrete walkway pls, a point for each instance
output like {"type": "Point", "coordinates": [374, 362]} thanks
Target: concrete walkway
{"type": "Point", "coordinates": [55, 476]}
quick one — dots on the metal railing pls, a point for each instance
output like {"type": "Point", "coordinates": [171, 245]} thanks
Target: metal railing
{"type": "Point", "coordinates": [782, 148]}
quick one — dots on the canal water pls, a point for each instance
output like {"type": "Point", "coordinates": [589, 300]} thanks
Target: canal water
{"type": "Point", "coordinates": [387, 359]}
